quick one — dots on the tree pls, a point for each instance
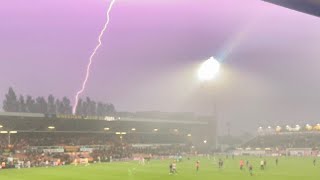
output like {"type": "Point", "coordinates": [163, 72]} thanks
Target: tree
{"type": "Point", "coordinates": [30, 105]}
{"type": "Point", "coordinates": [79, 109]}
{"type": "Point", "coordinates": [100, 111]}
{"type": "Point", "coordinates": [59, 107]}
{"type": "Point", "coordinates": [53, 105]}
{"type": "Point", "coordinates": [10, 104]}
{"type": "Point", "coordinates": [42, 106]}
{"type": "Point", "coordinates": [93, 108]}
{"type": "Point", "coordinates": [86, 106]}
{"type": "Point", "coordinates": [22, 104]}
{"type": "Point", "coordinates": [110, 109]}
{"type": "Point", "coordinates": [67, 105]}
{"type": "Point", "coordinates": [52, 109]}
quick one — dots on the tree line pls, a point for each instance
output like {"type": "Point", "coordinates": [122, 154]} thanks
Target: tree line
{"type": "Point", "coordinates": [52, 105]}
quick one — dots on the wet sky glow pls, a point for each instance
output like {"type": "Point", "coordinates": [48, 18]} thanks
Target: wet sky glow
{"type": "Point", "coordinates": [152, 49]}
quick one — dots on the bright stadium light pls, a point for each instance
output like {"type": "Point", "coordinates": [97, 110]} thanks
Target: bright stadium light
{"type": "Point", "coordinates": [205, 141]}
{"type": "Point", "coordinates": [3, 132]}
{"type": "Point", "coordinates": [118, 133]}
{"type": "Point", "coordinates": [106, 129]}
{"type": "Point", "coordinates": [189, 135]}
{"type": "Point", "coordinates": [13, 132]}
{"type": "Point", "coordinates": [155, 130]}
{"type": "Point", "coordinates": [1, 126]}
{"type": "Point", "coordinates": [133, 129]}
{"type": "Point", "coordinates": [209, 69]}
{"type": "Point", "coordinates": [51, 127]}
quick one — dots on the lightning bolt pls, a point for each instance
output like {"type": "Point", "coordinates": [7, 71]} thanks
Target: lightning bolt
{"type": "Point", "coordinates": [83, 87]}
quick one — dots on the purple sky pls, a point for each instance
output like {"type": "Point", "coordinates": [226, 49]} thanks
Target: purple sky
{"type": "Point", "coordinates": [152, 49]}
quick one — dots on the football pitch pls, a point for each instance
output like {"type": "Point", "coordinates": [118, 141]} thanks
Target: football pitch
{"type": "Point", "coordinates": [288, 169]}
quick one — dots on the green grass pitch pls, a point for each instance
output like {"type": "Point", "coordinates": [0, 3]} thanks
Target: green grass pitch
{"type": "Point", "coordinates": [288, 169]}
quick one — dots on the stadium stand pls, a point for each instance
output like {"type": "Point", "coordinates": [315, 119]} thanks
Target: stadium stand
{"type": "Point", "coordinates": [38, 139]}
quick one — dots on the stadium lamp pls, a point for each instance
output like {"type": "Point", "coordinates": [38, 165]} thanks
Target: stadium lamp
{"type": "Point", "coordinates": [121, 133]}
{"type": "Point", "coordinates": [13, 132]}
{"type": "Point", "coordinates": [1, 126]}
{"type": "Point", "coordinates": [205, 141]}
{"type": "Point", "coordinates": [51, 127]}
{"type": "Point", "coordinates": [209, 69]}
{"type": "Point", "coordinates": [133, 129]}
{"type": "Point", "coordinates": [189, 135]}
{"type": "Point", "coordinates": [106, 129]}
{"type": "Point", "coordinates": [3, 132]}
{"type": "Point", "coordinates": [155, 130]}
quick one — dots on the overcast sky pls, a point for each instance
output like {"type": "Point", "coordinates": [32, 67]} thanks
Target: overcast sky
{"type": "Point", "coordinates": [151, 52]}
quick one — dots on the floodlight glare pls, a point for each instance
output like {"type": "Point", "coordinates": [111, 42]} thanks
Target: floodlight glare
{"type": "Point", "coordinates": [209, 69]}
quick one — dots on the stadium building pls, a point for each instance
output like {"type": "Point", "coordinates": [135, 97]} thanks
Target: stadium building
{"type": "Point", "coordinates": [22, 132]}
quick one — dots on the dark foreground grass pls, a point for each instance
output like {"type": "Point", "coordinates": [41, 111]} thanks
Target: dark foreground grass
{"type": "Point", "coordinates": [288, 169]}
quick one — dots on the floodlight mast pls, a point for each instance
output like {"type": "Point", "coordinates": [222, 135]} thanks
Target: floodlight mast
{"type": "Point", "coordinates": [208, 71]}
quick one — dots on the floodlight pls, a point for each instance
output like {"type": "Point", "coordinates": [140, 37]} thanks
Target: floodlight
{"type": "Point", "coordinates": [209, 69]}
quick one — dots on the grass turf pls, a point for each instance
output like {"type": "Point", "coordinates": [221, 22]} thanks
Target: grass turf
{"type": "Point", "coordinates": [288, 169]}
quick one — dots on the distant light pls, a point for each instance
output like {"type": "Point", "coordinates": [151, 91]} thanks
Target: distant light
{"type": "Point", "coordinates": [13, 132]}
{"type": "Point", "coordinates": [51, 127]}
{"type": "Point", "coordinates": [133, 129]}
{"type": "Point", "coordinates": [205, 141]}
{"type": "Point", "coordinates": [260, 127]}
{"type": "Point", "coordinates": [297, 125]}
{"type": "Point", "coordinates": [318, 124]}
{"type": "Point", "coordinates": [269, 127]}
{"type": "Point", "coordinates": [3, 132]}
{"type": "Point", "coordinates": [189, 135]}
{"type": "Point", "coordinates": [106, 129]}
{"type": "Point", "coordinates": [175, 130]}
{"type": "Point", "coordinates": [121, 133]}
{"type": "Point", "coordinates": [156, 130]}
{"type": "Point", "coordinates": [192, 147]}
{"type": "Point", "coordinates": [209, 69]}
{"type": "Point", "coordinates": [119, 118]}
{"type": "Point", "coordinates": [1, 126]}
